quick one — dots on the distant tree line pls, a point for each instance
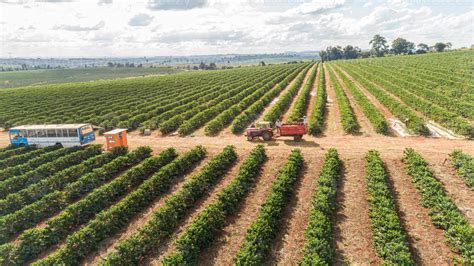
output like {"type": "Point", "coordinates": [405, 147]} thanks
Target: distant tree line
{"type": "Point", "coordinates": [27, 67]}
{"type": "Point", "coordinates": [120, 65]}
{"type": "Point", "coordinates": [380, 47]}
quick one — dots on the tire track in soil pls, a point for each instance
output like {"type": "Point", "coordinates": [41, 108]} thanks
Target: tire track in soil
{"type": "Point", "coordinates": [454, 186]}
{"type": "Point", "coordinates": [314, 92]}
{"type": "Point", "coordinates": [227, 243]}
{"type": "Point", "coordinates": [293, 102]}
{"type": "Point", "coordinates": [169, 245]}
{"type": "Point", "coordinates": [353, 234]}
{"type": "Point", "coordinates": [141, 218]}
{"type": "Point", "coordinates": [289, 243]}
{"type": "Point", "coordinates": [427, 242]}
{"type": "Point", "coordinates": [332, 117]}
{"type": "Point", "coordinates": [382, 108]}
{"type": "Point", "coordinates": [366, 128]}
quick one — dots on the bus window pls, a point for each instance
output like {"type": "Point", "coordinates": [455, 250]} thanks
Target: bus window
{"type": "Point", "coordinates": [59, 133]}
{"type": "Point", "coordinates": [86, 130]}
{"type": "Point", "coordinates": [31, 133]}
{"type": "Point", "coordinates": [14, 135]}
{"type": "Point", "coordinates": [64, 130]}
{"type": "Point", "coordinates": [23, 133]}
{"type": "Point", "coordinates": [40, 133]}
{"type": "Point", "coordinates": [72, 132]}
{"type": "Point", "coordinates": [51, 133]}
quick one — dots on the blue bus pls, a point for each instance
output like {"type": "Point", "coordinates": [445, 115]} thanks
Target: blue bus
{"type": "Point", "coordinates": [67, 135]}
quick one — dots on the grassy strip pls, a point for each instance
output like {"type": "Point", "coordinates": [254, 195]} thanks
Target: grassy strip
{"type": "Point", "coordinates": [316, 118]}
{"type": "Point", "coordinates": [34, 241]}
{"type": "Point", "coordinates": [370, 111]}
{"type": "Point", "coordinates": [302, 101]}
{"type": "Point", "coordinates": [166, 219]}
{"type": "Point", "coordinates": [388, 235]}
{"type": "Point", "coordinates": [203, 229]}
{"type": "Point", "coordinates": [348, 119]}
{"type": "Point", "coordinates": [30, 215]}
{"type": "Point", "coordinates": [318, 248]}
{"type": "Point", "coordinates": [464, 165]}
{"type": "Point", "coordinates": [263, 230]}
{"type": "Point", "coordinates": [442, 210]}
{"type": "Point", "coordinates": [285, 100]}
{"type": "Point", "coordinates": [65, 158]}
{"type": "Point", "coordinates": [110, 221]}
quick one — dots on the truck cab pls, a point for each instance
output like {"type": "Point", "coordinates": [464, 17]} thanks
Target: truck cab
{"type": "Point", "coordinates": [17, 138]}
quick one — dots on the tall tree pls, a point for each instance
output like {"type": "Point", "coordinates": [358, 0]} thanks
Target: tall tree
{"type": "Point", "coordinates": [422, 48]}
{"type": "Point", "coordinates": [439, 46]}
{"type": "Point", "coordinates": [379, 45]}
{"type": "Point", "coordinates": [402, 46]}
{"type": "Point", "coordinates": [351, 52]}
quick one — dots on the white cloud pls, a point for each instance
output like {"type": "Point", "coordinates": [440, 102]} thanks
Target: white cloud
{"type": "Point", "coordinates": [179, 27]}
{"type": "Point", "coordinates": [140, 20]}
{"type": "Point", "coordinates": [98, 26]}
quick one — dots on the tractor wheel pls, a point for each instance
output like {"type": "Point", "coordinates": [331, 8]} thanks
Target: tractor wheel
{"type": "Point", "coordinates": [298, 138]}
{"type": "Point", "coordinates": [249, 138]}
{"type": "Point", "coordinates": [266, 136]}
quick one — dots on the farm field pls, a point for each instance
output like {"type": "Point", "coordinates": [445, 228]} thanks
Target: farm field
{"type": "Point", "coordinates": [53, 76]}
{"type": "Point", "coordinates": [385, 175]}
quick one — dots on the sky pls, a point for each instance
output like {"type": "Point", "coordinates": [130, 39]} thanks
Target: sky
{"type": "Point", "coordinates": [115, 28]}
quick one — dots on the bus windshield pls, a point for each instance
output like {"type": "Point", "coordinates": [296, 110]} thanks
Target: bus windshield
{"type": "Point", "coordinates": [86, 130]}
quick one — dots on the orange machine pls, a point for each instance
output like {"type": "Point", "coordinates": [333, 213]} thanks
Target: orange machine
{"type": "Point", "coordinates": [116, 138]}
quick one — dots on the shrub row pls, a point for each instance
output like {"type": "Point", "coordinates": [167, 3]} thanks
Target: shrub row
{"type": "Point", "coordinates": [319, 234]}
{"type": "Point", "coordinates": [226, 117]}
{"type": "Point", "coordinates": [108, 222]}
{"type": "Point", "coordinates": [34, 163]}
{"type": "Point", "coordinates": [388, 235]}
{"type": "Point", "coordinates": [285, 100]}
{"type": "Point", "coordinates": [442, 210]}
{"type": "Point", "coordinates": [166, 219]}
{"type": "Point", "coordinates": [252, 112]}
{"type": "Point", "coordinates": [302, 100]}
{"type": "Point", "coordinates": [211, 101]}
{"type": "Point", "coordinates": [316, 118]}
{"type": "Point", "coordinates": [33, 241]}
{"type": "Point", "coordinates": [25, 157]}
{"type": "Point", "coordinates": [428, 108]}
{"type": "Point", "coordinates": [9, 152]}
{"type": "Point", "coordinates": [204, 116]}
{"type": "Point", "coordinates": [413, 122]}
{"type": "Point", "coordinates": [203, 229]}
{"type": "Point", "coordinates": [348, 119]}
{"type": "Point", "coordinates": [263, 230]}
{"type": "Point", "coordinates": [51, 203]}
{"type": "Point", "coordinates": [71, 156]}
{"type": "Point", "coordinates": [464, 165]}
{"type": "Point", "coordinates": [58, 181]}
{"type": "Point", "coordinates": [370, 111]}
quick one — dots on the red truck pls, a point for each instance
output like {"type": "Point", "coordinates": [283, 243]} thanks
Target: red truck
{"type": "Point", "coordinates": [264, 130]}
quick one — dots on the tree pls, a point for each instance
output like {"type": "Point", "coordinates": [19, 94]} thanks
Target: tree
{"type": "Point", "coordinates": [212, 66]}
{"type": "Point", "coordinates": [439, 47]}
{"type": "Point", "coordinates": [379, 45]}
{"type": "Point", "coordinates": [402, 46]}
{"type": "Point", "coordinates": [350, 52]}
{"type": "Point", "coordinates": [202, 66]}
{"type": "Point", "coordinates": [334, 53]}
{"type": "Point", "coordinates": [323, 55]}
{"type": "Point", "coordinates": [422, 48]}
{"type": "Point", "coordinates": [262, 63]}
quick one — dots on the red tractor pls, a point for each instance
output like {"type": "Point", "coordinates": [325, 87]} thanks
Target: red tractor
{"type": "Point", "coordinates": [264, 130]}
